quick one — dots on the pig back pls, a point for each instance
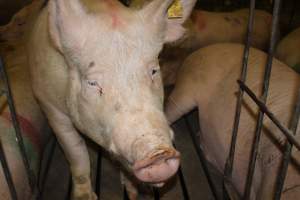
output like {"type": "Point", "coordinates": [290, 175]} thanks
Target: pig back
{"type": "Point", "coordinates": [288, 49]}
{"type": "Point", "coordinates": [217, 68]}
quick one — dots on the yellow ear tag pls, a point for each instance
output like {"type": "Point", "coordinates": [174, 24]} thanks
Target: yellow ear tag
{"type": "Point", "coordinates": [175, 10]}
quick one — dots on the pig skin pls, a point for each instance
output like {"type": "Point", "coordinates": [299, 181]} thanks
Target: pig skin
{"type": "Point", "coordinates": [288, 49]}
{"type": "Point", "coordinates": [207, 80]}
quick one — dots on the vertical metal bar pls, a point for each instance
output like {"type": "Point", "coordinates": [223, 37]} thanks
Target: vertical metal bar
{"type": "Point", "coordinates": [125, 195]}
{"type": "Point", "coordinates": [7, 174]}
{"type": "Point", "coordinates": [195, 140]}
{"type": "Point", "coordinates": [182, 182]}
{"type": "Point", "coordinates": [230, 159]}
{"type": "Point", "coordinates": [264, 96]}
{"type": "Point", "coordinates": [293, 13]}
{"type": "Point", "coordinates": [288, 150]}
{"type": "Point", "coordinates": [43, 177]}
{"type": "Point", "coordinates": [183, 185]}
{"type": "Point", "coordinates": [98, 174]}
{"type": "Point", "coordinates": [19, 139]}
{"type": "Point", "coordinates": [156, 193]}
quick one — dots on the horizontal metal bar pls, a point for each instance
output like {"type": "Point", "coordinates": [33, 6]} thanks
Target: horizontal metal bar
{"type": "Point", "coordinates": [7, 174]}
{"type": "Point", "coordinates": [288, 150]}
{"type": "Point", "coordinates": [272, 117]}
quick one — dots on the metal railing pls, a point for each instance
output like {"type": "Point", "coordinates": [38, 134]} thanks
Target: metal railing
{"type": "Point", "coordinates": [243, 88]}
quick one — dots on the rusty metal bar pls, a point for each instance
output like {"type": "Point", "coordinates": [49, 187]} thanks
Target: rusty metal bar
{"type": "Point", "coordinates": [7, 174]}
{"type": "Point", "coordinates": [264, 96]}
{"type": "Point", "coordinates": [288, 151]}
{"type": "Point", "coordinates": [272, 117]}
{"type": "Point", "coordinates": [19, 139]}
{"type": "Point", "coordinates": [230, 159]}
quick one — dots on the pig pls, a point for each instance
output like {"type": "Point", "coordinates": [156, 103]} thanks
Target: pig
{"type": "Point", "coordinates": [288, 50]}
{"type": "Point", "coordinates": [31, 120]}
{"type": "Point", "coordinates": [18, 25]}
{"type": "Point", "coordinates": [207, 80]}
{"type": "Point", "coordinates": [205, 28]}
{"type": "Point", "coordinates": [94, 69]}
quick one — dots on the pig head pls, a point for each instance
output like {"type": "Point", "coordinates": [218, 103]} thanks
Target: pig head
{"type": "Point", "coordinates": [94, 68]}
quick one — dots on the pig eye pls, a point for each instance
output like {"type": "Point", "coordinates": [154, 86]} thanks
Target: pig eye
{"type": "Point", "coordinates": [92, 83]}
{"type": "Point", "coordinates": [154, 71]}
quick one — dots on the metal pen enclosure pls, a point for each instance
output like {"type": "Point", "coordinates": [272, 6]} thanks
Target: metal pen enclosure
{"type": "Point", "coordinates": [37, 184]}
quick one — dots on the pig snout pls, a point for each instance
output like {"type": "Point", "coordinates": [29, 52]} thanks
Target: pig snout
{"type": "Point", "coordinates": [158, 166]}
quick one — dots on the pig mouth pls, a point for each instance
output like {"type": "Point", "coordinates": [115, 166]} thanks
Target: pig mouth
{"type": "Point", "coordinates": [158, 166]}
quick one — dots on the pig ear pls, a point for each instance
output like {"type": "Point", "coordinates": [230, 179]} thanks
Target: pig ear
{"type": "Point", "coordinates": [158, 10]}
{"type": "Point", "coordinates": [64, 22]}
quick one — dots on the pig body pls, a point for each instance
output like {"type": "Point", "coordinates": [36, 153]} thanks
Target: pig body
{"type": "Point", "coordinates": [288, 50]}
{"type": "Point", "coordinates": [205, 28]}
{"type": "Point", "coordinates": [31, 120]}
{"type": "Point", "coordinates": [207, 80]}
{"type": "Point", "coordinates": [94, 71]}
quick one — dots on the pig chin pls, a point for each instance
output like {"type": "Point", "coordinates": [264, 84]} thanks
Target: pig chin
{"type": "Point", "coordinates": [158, 166]}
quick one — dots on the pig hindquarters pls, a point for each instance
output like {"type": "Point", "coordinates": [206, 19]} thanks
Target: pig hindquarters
{"type": "Point", "coordinates": [207, 80]}
{"type": "Point", "coordinates": [95, 69]}
{"type": "Point", "coordinates": [288, 50]}
{"type": "Point", "coordinates": [205, 28]}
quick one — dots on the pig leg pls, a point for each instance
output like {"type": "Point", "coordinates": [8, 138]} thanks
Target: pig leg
{"type": "Point", "coordinates": [179, 103]}
{"type": "Point", "coordinates": [76, 153]}
{"type": "Point", "coordinates": [129, 186]}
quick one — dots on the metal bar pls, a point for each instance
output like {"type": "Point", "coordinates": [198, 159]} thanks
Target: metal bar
{"type": "Point", "coordinates": [288, 151]}
{"type": "Point", "coordinates": [195, 139]}
{"type": "Point", "coordinates": [125, 195]}
{"type": "Point", "coordinates": [264, 96]}
{"type": "Point", "coordinates": [230, 159]}
{"type": "Point", "coordinates": [272, 117]}
{"type": "Point", "coordinates": [293, 13]}
{"type": "Point", "coordinates": [183, 185]}
{"type": "Point", "coordinates": [98, 174]}
{"type": "Point", "coordinates": [7, 174]}
{"type": "Point", "coordinates": [182, 182]}
{"type": "Point", "coordinates": [43, 177]}
{"type": "Point", "coordinates": [19, 139]}
{"type": "Point", "coordinates": [156, 193]}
